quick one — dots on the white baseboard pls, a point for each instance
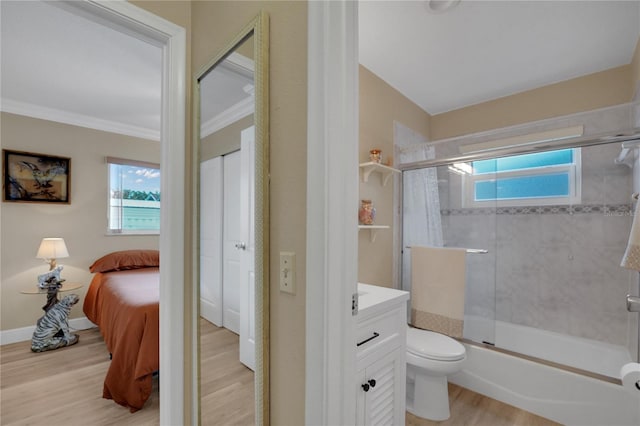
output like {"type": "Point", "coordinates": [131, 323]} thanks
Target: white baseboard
{"type": "Point", "coordinates": [23, 334]}
{"type": "Point", "coordinates": [211, 312]}
{"type": "Point", "coordinates": [231, 321]}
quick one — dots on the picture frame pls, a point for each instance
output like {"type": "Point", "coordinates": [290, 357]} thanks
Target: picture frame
{"type": "Point", "coordinates": [35, 178]}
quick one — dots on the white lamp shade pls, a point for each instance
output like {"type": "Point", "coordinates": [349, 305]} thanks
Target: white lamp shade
{"type": "Point", "coordinates": [52, 248]}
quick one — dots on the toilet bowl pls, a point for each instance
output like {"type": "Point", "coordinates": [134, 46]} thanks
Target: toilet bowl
{"type": "Point", "coordinates": [431, 357]}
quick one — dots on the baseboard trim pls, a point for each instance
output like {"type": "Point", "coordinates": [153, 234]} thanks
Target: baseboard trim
{"type": "Point", "coordinates": [210, 312]}
{"type": "Point", "coordinates": [23, 334]}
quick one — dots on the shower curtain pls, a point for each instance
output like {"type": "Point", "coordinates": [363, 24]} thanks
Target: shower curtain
{"type": "Point", "coordinates": [421, 220]}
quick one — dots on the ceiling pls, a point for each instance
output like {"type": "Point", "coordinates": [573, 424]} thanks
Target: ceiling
{"type": "Point", "coordinates": [483, 50]}
{"type": "Point", "coordinates": [63, 67]}
{"type": "Point", "coordinates": [226, 93]}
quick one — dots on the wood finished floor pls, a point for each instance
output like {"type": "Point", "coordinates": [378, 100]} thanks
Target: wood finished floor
{"type": "Point", "coordinates": [472, 409]}
{"type": "Point", "coordinates": [64, 387]}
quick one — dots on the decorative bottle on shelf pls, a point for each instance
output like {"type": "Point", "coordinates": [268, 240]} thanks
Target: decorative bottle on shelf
{"type": "Point", "coordinates": [375, 155]}
{"type": "Point", "coordinates": [367, 213]}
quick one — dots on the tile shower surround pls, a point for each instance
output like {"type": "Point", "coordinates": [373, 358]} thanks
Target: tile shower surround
{"type": "Point", "coordinates": [555, 268]}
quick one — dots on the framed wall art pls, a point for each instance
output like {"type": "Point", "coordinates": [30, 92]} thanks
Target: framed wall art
{"type": "Point", "coordinates": [35, 178]}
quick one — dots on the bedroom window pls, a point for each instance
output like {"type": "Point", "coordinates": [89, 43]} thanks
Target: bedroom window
{"type": "Point", "coordinates": [134, 197]}
{"type": "Point", "coordinates": [543, 178]}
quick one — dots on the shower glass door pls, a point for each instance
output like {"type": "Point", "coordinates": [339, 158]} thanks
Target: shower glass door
{"type": "Point", "coordinates": [455, 227]}
{"type": "Point", "coordinates": [472, 228]}
{"type": "Point", "coordinates": [555, 225]}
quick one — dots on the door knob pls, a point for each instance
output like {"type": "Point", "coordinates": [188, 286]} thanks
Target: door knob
{"type": "Point", "coordinates": [633, 303]}
{"type": "Point", "coordinates": [372, 382]}
{"type": "Point", "coordinates": [241, 246]}
{"type": "Point", "coordinates": [365, 387]}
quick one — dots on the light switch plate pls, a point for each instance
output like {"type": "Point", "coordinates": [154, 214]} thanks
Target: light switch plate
{"type": "Point", "coordinates": [288, 272]}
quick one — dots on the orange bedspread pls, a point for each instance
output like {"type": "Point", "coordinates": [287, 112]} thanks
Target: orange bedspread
{"type": "Point", "coordinates": [125, 305]}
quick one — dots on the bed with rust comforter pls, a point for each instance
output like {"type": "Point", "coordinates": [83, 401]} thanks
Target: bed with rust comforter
{"type": "Point", "coordinates": [125, 305]}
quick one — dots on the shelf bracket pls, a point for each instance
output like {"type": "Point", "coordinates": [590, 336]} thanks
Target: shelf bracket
{"type": "Point", "coordinates": [385, 172]}
{"type": "Point", "coordinates": [366, 171]}
{"type": "Point", "coordinates": [385, 176]}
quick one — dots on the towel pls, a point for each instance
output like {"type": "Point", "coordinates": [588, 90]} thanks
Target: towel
{"type": "Point", "coordinates": [631, 258]}
{"type": "Point", "coordinates": [437, 289]}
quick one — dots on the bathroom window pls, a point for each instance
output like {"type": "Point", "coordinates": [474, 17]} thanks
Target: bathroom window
{"type": "Point", "coordinates": [134, 197]}
{"type": "Point", "coordinates": [542, 178]}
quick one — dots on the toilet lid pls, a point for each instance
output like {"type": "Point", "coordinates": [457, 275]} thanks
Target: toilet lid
{"type": "Point", "coordinates": [429, 344]}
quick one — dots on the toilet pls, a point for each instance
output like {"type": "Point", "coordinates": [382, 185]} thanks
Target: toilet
{"type": "Point", "coordinates": [431, 357]}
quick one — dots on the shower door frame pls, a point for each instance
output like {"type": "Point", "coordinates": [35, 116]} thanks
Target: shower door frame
{"type": "Point", "coordinates": [631, 134]}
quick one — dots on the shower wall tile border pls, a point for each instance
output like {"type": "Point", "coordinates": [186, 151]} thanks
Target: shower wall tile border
{"type": "Point", "coordinates": [605, 209]}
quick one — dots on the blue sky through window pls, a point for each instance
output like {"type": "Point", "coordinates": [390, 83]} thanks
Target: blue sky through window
{"type": "Point", "coordinates": [135, 178]}
{"type": "Point", "coordinates": [536, 186]}
{"type": "Point", "coordinates": [546, 177]}
{"type": "Point", "coordinates": [524, 161]}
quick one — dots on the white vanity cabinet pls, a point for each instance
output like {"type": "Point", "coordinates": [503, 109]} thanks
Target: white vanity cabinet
{"type": "Point", "coordinates": [381, 329]}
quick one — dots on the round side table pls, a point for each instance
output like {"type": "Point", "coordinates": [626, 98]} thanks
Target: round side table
{"type": "Point", "coordinates": [52, 292]}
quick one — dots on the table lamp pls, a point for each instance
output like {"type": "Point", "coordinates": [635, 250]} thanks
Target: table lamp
{"type": "Point", "coordinates": [52, 249]}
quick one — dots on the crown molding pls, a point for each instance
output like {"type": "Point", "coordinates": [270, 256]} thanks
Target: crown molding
{"type": "Point", "coordinates": [242, 65]}
{"type": "Point", "coordinates": [74, 119]}
{"type": "Point", "coordinates": [239, 64]}
{"type": "Point", "coordinates": [234, 113]}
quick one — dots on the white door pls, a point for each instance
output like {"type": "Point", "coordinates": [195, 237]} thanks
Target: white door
{"type": "Point", "coordinates": [211, 199]}
{"type": "Point", "coordinates": [232, 254]}
{"type": "Point", "coordinates": [247, 281]}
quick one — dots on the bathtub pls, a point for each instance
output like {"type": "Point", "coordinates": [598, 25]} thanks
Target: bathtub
{"type": "Point", "coordinates": [585, 354]}
{"type": "Point", "coordinates": [563, 396]}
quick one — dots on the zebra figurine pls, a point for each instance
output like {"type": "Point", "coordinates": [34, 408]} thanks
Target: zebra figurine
{"type": "Point", "coordinates": [52, 330]}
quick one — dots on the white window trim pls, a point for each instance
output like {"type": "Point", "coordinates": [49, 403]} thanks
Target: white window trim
{"type": "Point", "coordinates": [575, 186]}
{"type": "Point", "coordinates": [111, 233]}
{"type": "Point", "coordinates": [135, 163]}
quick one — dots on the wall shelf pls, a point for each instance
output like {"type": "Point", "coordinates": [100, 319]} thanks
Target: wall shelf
{"type": "Point", "coordinates": [373, 230]}
{"type": "Point", "coordinates": [385, 171]}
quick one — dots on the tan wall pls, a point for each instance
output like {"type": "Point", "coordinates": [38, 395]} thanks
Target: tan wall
{"type": "Point", "coordinates": [225, 140]}
{"type": "Point", "coordinates": [176, 11]}
{"type": "Point", "coordinates": [635, 73]}
{"type": "Point", "coordinates": [598, 90]}
{"type": "Point", "coordinates": [82, 224]}
{"type": "Point", "coordinates": [380, 105]}
{"type": "Point", "coordinates": [214, 25]}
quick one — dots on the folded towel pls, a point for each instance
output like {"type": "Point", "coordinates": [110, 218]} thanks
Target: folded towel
{"type": "Point", "coordinates": [631, 258]}
{"type": "Point", "coordinates": [438, 278]}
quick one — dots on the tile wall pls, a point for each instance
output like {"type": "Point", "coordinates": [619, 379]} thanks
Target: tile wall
{"type": "Point", "coordinates": [550, 267]}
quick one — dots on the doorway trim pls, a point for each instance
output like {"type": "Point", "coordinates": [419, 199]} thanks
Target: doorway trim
{"type": "Point", "coordinates": [332, 203]}
{"type": "Point", "coordinates": [171, 38]}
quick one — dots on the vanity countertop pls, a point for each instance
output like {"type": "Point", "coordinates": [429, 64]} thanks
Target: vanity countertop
{"type": "Point", "coordinates": [373, 298]}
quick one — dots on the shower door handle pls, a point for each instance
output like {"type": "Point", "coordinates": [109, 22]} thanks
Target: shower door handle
{"type": "Point", "coordinates": [633, 303]}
